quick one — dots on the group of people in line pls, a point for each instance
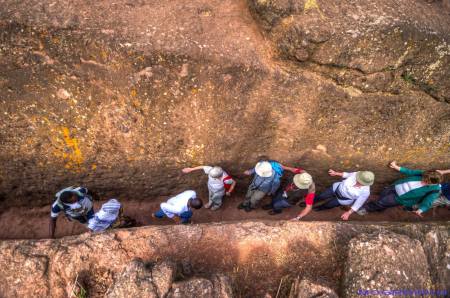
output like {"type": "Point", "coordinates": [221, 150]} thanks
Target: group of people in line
{"type": "Point", "coordinates": [418, 191]}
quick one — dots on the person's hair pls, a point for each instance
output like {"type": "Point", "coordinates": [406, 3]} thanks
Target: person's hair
{"type": "Point", "coordinates": [66, 196]}
{"type": "Point", "coordinates": [263, 158]}
{"type": "Point", "coordinates": [196, 203]}
{"type": "Point", "coordinates": [432, 177]}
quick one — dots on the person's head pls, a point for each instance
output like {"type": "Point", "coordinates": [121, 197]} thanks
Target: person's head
{"type": "Point", "coordinates": [365, 178]}
{"type": "Point", "coordinates": [216, 172]}
{"type": "Point", "coordinates": [303, 180]}
{"type": "Point", "coordinates": [431, 177]}
{"type": "Point", "coordinates": [196, 203]}
{"type": "Point", "coordinates": [264, 169]}
{"type": "Point", "coordinates": [68, 197]}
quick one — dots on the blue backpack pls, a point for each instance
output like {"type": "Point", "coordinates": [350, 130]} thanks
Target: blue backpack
{"type": "Point", "coordinates": [276, 166]}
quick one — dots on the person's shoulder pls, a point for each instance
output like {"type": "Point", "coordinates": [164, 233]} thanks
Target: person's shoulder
{"type": "Point", "coordinates": [207, 169]}
{"type": "Point", "coordinates": [189, 192]}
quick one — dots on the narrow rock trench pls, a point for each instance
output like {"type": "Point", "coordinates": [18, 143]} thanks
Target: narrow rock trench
{"type": "Point", "coordinates": [32, 223]}
{"type": "Point", "coordinates": [119, 96]}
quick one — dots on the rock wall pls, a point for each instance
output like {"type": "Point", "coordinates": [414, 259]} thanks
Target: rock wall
{"type": "Point", "coordinates": [119, 95]}
{"type": "Point", "coordinates": [253, 259]}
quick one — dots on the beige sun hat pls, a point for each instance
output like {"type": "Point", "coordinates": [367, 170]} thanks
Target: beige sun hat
{"type": "Point", "coordinates": [263, 169]}
{"type": "Point", "coordinates": [365, 177]}
{"type": "Point", "coordinates": [303, 180]}
{"type": "Point", "coordinates": [216, 172]}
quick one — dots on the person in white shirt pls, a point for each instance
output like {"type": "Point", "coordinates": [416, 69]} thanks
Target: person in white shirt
{"type": "Point", "coordinates": [179, 208]}
{"type": "Point", "coordinates": [354, 190]}
{"type": "Point", "coordinates": [220, 184]}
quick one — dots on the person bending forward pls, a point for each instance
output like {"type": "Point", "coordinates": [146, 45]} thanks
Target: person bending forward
{"type": "Point", "coordinates": [354, 190]}
{"type": "Point", "coordinates": [179, 208]}
{"type": "Point", "coordinates": [417, 188]}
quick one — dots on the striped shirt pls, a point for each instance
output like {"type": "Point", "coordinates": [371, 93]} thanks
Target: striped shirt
{"type": "Point", "coordinates": [104, 218]}
{"type": "Point", "coordinates": [81, 210]}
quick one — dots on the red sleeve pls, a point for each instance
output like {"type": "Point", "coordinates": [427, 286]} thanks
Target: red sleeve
{"type": "Point", "coordinates": [298, 170]}
{"type": "Point", "coordinates": [309, 199]}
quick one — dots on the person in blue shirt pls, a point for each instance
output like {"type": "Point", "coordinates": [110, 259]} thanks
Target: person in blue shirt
{"type": "Point", "coordinates": [267, 176]}
{"type": "Point", "coordinates": [75, 203]}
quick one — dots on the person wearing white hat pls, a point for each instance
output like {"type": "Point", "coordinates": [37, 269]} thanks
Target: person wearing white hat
{"type": "Point", "coordinates": [267, 176]}
{"type": "Point", "coordinates": [301, 189]}
{"type": "Point", "coordinates": [220, 184]}
{"type": "Point", "coordinates": [354, 190]}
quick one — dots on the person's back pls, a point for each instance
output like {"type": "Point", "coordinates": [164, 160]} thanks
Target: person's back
{"type": "Point", "coordinates": [179, 203]}
{"type": "Point", "coordinates": [179, 207]}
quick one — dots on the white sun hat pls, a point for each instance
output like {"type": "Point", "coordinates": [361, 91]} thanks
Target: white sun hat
{"type": "Point", "coordinates": [216, 172]}
{"type": "Point", "coordinates": [263, 169]}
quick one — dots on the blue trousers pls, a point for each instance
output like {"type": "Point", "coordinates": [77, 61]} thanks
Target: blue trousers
{"type": "Point", "coordinates": [279, 202]}
{"type": "Point", "coordinates": [330, 197]}
{"type": "Point", "coordinates": [185, 216]}
{"type": "Point", "coordinates": [387, 199]}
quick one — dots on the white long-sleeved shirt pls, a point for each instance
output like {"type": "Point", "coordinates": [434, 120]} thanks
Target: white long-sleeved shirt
{"type": "Point", "coordinates": [357, 195]}
{"type": "Point", "coordinates": [178, 204]}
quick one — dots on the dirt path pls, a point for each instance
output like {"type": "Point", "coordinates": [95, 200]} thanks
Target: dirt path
{"type": "Point", "coordinates": [32, 223]}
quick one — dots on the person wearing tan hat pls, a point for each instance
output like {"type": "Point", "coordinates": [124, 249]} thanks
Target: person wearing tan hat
{"type": "Point", "coordinates": [354, 190]}
{"type": "Point", "coordinates": [302, 188]}
{"type": "Point", "coordinates": [266, 180]}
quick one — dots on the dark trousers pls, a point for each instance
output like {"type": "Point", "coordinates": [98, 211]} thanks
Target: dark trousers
{"type": "Point", "coordinates": [387, 199]}
{"type": "Point", "coordinates": [330, 197]}
{"type": "Point", "coordinates": [185, 216]}
{"type": "Point", "coordinates": [279, 202]}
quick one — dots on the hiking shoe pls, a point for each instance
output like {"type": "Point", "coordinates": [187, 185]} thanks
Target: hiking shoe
{"type": "Point", "coordinates": [214, 208]}
{"type": "Point", "coordinates": [274, 212]}
{"type": "Point", "coordinates": [362, 211]}
{"type": "Point", "coordinates": [241, 206]}
{"type": "Point", "coordinates": [208, 205]}
{"type": "Point", "coordinates": [267, 207]}
{"type": "Point", "coordinates": [248, 208]}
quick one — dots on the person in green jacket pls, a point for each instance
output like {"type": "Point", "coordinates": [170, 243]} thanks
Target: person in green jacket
{"type": "Point", "coordinates": [419, 188]}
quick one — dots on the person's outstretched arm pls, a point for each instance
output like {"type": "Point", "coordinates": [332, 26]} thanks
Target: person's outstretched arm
{"type": "Point", "coordinates": [304, 212]}
{"type": "Point", "coordinates": [359, 202]}
{"type": "Point", "coordinates": [443, 172]}
{"type": "Point", "coordinates": [188, 170]}
{"type": "Point", "coordinates": [309, 200]}
{"type": "Point", "coordinates": [332, 172]}
{"type": "Point", "coordinates": [293, 170]}
{"type": "Point", "coordinates": [233, 185]}
{"type": "Point", "coordinates": [250, 172]}
{"type": "Point", "coordinates": [403, 170]}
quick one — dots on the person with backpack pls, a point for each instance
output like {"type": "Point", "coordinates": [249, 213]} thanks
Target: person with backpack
{"type": "Point", "coordinates": [353, 191]}
{"type": "Point", "coordinates": [266, 181]}
{"type": "Point", "coordinates": [75, 203]}
{"type": "Point", "coordinates": [220, 184]}
{"type": "Point", "coordinates": [419, 187]}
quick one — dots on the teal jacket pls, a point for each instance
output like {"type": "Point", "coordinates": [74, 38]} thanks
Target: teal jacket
{"type": "Point", "coordinates": [423, 196]}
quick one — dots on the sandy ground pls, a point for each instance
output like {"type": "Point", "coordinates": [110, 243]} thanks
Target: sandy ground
{"type": "Point", "coordinates": [33, 223]}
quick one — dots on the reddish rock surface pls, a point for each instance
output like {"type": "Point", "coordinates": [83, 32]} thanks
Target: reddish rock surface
{"type": "Point", "coordinates": [120, 95]}
{"type": "Point", "coordinates": [257, 258]}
